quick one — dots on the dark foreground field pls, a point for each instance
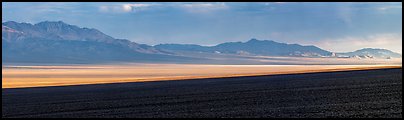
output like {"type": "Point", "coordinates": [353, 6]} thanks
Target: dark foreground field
{"type": "Point", "coordinates": [367, 93]}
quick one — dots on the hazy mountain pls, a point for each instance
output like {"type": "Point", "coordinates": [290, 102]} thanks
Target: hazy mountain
{"type": "Point", "coordinates": [62, 31]}
{"type": "Point", "coordinates": [252, 47]}
{"type": "Point", "coordinates": [59, 42]}
{"type": "Point", "coordinates": [57, 31]}
{"type": "Point", "coordinates": [270, 48]}
{"type": "Point", "coordinates": [184, 47]}
{"type": "Point", "coordinates": [371, 53]}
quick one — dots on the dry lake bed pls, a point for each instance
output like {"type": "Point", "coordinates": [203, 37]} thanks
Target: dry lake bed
{"type": "Point", "coordinates": [40, 76]}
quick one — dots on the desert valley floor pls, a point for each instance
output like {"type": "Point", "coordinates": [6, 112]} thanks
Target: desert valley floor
{"type": "Point", "coordinates": [359, 93]}
{"type": "Point", "coordinates": [61, 75]}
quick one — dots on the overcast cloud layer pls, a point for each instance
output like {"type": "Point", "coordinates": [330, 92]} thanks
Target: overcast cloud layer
{"type": "Point", "coordinates": [337, 27]}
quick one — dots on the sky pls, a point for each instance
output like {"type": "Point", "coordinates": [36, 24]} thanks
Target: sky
{"type": "Point", "coordinates": [337, 27]}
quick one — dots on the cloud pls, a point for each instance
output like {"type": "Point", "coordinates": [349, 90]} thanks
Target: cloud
{"type": "Point", "coordinates": [33, 12]}
{"type": "Point", "coordinates": [278, 3]}
{"type": "Point", "coordinates": [188, 7]}
{"type": "Point", "coordinates": [203, 7]}
{"type": "Point", "coordinates": [136, 7]}
{"type": "Point", "coordinates": [125, 8]}
{"type": "Point", "coordinates": [48, 7]}
{"type": "Point", "coordinates": [383, 8]}
{"type": "Point", "coordinates": [387, 41]}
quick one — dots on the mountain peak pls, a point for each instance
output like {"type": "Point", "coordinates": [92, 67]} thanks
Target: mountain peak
{"type": "Point", "coordinates": [372, 49]}
{"type": "Point", "coordinates": [52, 22]}
{"type": "Point", "coordinates": [61, 32]}
{"type": "Point", "coordinates": [373, 52]}
{"type": "Point", "coordinates": [57, 30]}
{"type": "Point", "coordinates": [253, 40]}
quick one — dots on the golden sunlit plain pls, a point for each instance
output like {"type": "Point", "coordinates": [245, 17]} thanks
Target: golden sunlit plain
{"type": "Point", "coordinates": [41, 76]}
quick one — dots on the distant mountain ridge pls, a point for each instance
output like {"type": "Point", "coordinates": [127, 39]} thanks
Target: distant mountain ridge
{"type": "Point", "coordinates": [63, 43]}
{"type": "Point", "coordinates": [62, 31]}
{"type": "Point", "coordinates": [252, 47]}
{"type": "Point", "coordinates": [371, 53]}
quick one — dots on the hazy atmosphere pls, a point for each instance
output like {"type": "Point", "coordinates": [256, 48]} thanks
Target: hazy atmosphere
{"type": "Point", "coordinates": [337, 27]}
{"type": "Point", "coordinates": [201, 60]}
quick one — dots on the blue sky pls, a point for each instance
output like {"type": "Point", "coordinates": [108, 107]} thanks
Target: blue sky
{"type": "Point", "coordinates": [337, 27]}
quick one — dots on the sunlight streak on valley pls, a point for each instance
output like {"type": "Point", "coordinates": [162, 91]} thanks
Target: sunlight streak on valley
{"type": "Point", "coordinates": [40, 76]}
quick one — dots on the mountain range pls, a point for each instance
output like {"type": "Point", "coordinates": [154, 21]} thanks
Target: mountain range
{"type": "Point", "coordinates": [58, 42]}
{"type": "Point", "coordinates": [251, 47]}
{"type": "Point", "coordinates": [371, 53]}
